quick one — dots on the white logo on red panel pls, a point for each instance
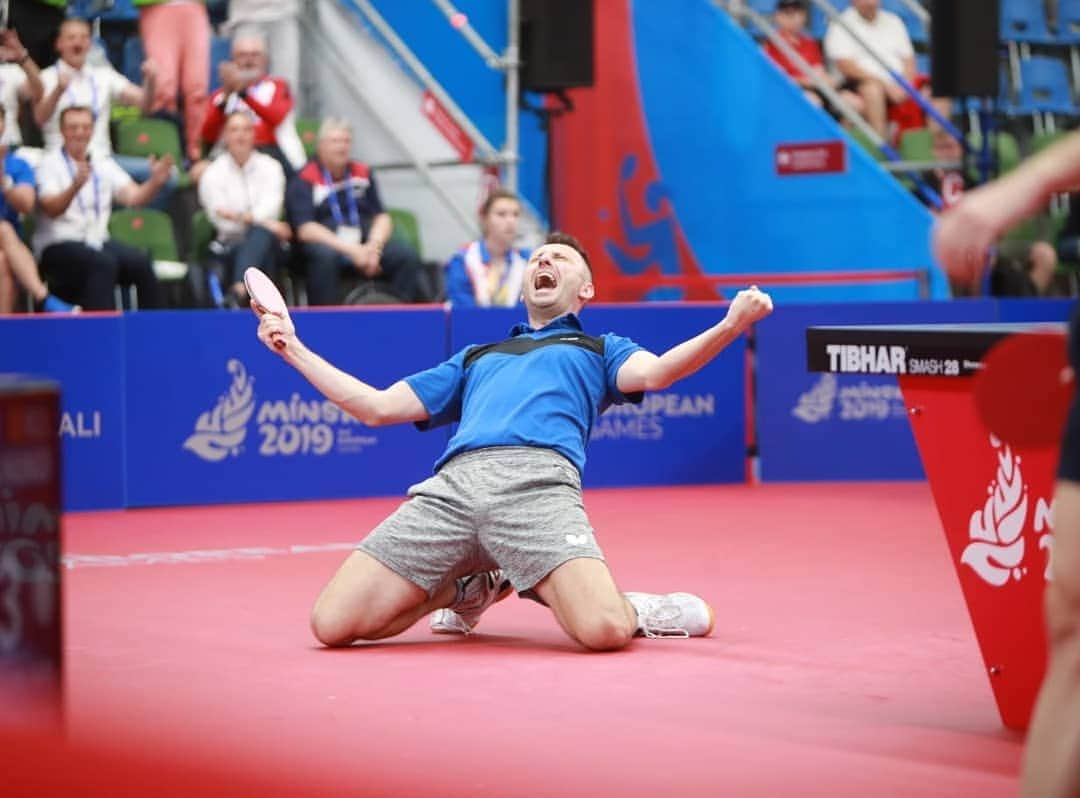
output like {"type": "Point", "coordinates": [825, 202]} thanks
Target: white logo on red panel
{"type": "Point", "coordinates": [997, 547]}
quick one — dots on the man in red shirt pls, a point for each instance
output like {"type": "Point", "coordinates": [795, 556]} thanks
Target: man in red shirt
{"type": "Point", "coordinates": [790, 21]}
{"type": "Point", "coordinates": [246, 86]}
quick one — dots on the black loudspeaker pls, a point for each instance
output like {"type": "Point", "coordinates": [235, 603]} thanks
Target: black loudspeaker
{"type": "Point", "coordinates": [556, 44]}
{"type": "Point", "coordinates": [964, 48]}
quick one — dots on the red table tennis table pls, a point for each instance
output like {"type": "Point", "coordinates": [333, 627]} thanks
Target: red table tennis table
{"type": "Point", "coordinates": [994, 497]}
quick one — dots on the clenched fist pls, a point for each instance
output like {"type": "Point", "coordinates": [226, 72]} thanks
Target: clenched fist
{"type": "Point", "coordinates": [749, 306]}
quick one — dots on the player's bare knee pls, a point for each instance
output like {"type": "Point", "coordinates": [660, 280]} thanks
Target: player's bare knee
{"type": "Point", "coordinates": [605, 632]}
{"type": "Point", "coordinates": [330, 629]}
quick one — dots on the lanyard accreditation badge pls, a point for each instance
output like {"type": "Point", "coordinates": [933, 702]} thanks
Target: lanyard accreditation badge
{"type": "Point", "coordinates": [349, 233]}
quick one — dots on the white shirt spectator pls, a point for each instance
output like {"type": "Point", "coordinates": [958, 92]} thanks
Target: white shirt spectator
{"type": "Point", "coordinates": [87, 217]}
{"type": "Point", "coordinates": [95, 87]}
{"type": "Point", "coordinates": [257, 187]}
{"type": "Point", "coordinates": [886, 35]}
{"type": "Point", "coordinates": [12, 78]}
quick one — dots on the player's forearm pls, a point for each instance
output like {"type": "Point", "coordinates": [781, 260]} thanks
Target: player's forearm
{"type": "Point", "coordinates": [684, 359]}
{"type": "Point", "coordinates": [358, 399]}
{"type": "Point", "coordinates": [1026, 190]}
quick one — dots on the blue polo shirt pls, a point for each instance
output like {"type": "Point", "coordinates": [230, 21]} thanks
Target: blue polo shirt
{"type": "Point", "coordinates": [540, 388]}
{"type": "Point", "coordinates": [21, 174]}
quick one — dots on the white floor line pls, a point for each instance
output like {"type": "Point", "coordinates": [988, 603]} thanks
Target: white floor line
{"type": "Point", "coordinates": [195, 555]}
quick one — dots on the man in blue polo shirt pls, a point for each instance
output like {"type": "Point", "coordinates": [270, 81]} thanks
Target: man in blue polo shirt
{"type": "Point", "coordinates": [504, 504]}
{"type": "Point", "coordinates": [342, 228]}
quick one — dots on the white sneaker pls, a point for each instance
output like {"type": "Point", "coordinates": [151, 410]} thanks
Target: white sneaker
{"type": "Point", "coordinates": [475, 593]}
{"type": "Point", "coordinates": [672, 614]}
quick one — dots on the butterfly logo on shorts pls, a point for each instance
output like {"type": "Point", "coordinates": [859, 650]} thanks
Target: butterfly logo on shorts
{"type": "Point", "coordinates": [577, 540]}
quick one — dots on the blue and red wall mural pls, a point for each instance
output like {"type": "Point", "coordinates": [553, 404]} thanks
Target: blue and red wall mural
{"type": "Point", "coordinates": [668, 170]}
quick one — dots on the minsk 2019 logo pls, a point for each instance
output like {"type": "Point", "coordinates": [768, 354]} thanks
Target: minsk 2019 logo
{"type": "Point", "coordinates": [219, 432]}
{"type": "Point", "coordinates": [285, 427]}
{"type": "Point", "coordinates": [996, 550]}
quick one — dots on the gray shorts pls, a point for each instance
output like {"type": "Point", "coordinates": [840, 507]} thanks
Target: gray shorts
{"type": "Point", "coordinates": [518, 508]}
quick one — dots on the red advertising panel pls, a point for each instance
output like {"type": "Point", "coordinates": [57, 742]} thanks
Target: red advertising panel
{"type": "Point", "coordinates": [30, 610]}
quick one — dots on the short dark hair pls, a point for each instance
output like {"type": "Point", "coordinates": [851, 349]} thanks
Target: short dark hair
{"type": "Point", "coordinates": [75, 109]}
{"type": "Point", "coordinates": [566, 239]}
{"type": "Point", "coordinates": [495, 195]}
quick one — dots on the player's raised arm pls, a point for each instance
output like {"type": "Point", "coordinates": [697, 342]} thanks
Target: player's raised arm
{"type": "Point", "coordinates": [966, 231]}
{"type": "Point", "coordinates": [644, 371]}
{"type": "Point", "coordinates": [370, 405]}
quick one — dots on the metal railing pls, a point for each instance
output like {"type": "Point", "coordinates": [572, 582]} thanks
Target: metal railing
{"type": "Point", "coordinates": [845, 110]}
{"type": "Point", "coordinates": [506, 157]}
{"type": "Point", "coordinates": [334, 58]}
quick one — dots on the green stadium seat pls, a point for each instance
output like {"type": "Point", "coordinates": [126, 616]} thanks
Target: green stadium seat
{"type": "Point", "coordinates": [406, 228]}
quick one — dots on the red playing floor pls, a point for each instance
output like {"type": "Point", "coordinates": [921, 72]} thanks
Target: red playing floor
{"type": "Point", "coordinates": [843, 662]}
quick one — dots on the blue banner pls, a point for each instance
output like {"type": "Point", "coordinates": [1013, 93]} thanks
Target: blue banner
{"type": "Point", "coordinates": [837, 426]}
{"type": "Point", "coordinates": [1018, 310]}
{"type": "Point", "coordinates": [215, 417]}
{"type": "Point", "coordinates": [86, 356]}
{"type": "Point", "coordinates": [692, 432]}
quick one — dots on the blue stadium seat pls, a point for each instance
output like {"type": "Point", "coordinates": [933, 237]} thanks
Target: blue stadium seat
{"type": "Point", "coordinates": [922, 63]}
{"type": "Point", "coordinates": [134, 55]}
{"type": "Point", "coordinates": [220, 50]}
{"type": "Point", "coordinates": [121, 10]}
{"type": "Point", "coordinates": [1069, 21]}
{"type": "Point", "coordinates": [819, 23]}
{"type": "Point", "coordinates": [1044, 87]}
{"type": "Point", "coordinates": [915, 26]}
{"type": "Point", "coordinates": [1024, 21]}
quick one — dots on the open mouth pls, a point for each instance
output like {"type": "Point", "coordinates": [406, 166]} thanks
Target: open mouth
{"type": "Point", "coordinates": [544, 279]}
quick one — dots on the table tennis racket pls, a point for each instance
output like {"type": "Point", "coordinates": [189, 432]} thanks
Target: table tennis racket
{"type": "Point", "coordinates": [1025, 387]}
{"type": "Point", "coordinates": [265, 294]}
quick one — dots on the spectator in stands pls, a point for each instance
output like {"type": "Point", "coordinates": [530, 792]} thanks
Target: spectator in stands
{"type": "Point", "coordinates": [1020, 268]}
{"type": "Point", "coordinates": [885, 34]}
{"type": "Point", "coordinates": [37, 22]}
{"type": "Point", "coordinates": [278, 21]}
{"type": "Point", "coordinates": [72, 235]}
{"type": "Point", "coordinates": [790, 20]}
{"type": "Point", "coordinates": [73, 82]}
{"type": "Point", "coordinates": [246, 86]}
{"type": "Point", "coordinates": [334, 207]}
{"type": "Point", "coordinates": [243, 192]}
{"type": "Point", "coordinates": [176, 37]}
{"type": "Point", "coordinates": [17, 196]}
{"type": "Point", "coordinates": [488, 272]}
{"type": "Point", "coordinates": [20, 79]}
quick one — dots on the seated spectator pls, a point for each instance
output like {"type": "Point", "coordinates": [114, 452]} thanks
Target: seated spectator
{"type": "Point", "coordinates": [176, 37]}
{"type": "Point", "coordinates": [885, 33]}
{"type": "Point", "coordinates": [790, 20]}
{"type": "Point", "coordinates": [245, 86]}
{"type": "Point", "coordinates": [72, 235]}
{"type": "Point", "coordinates": [488, 272]}
{"type": "Point", "coordinates": [20, 79]}
{"type": "Point", "coordinates": [243, 192]}
{"type": "Point", "coordinates": [1020, 268]}
{"type": "Point", "coordinates": [334, 207]}
{"type": "Point", "coordinates": [72, 82]}
{"type": "Point", "coordinates": [17, 196]}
